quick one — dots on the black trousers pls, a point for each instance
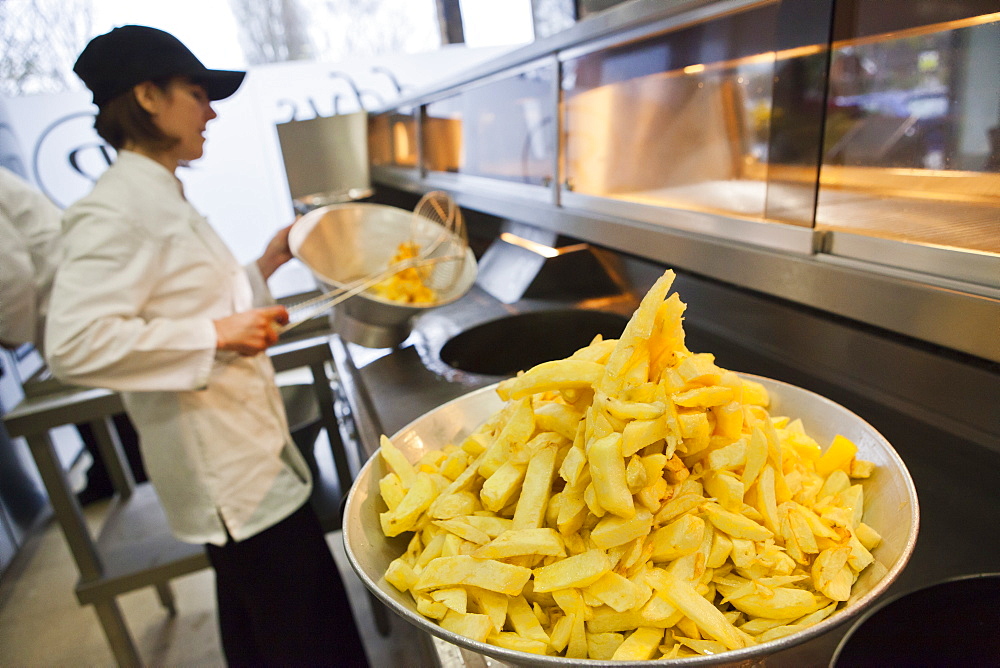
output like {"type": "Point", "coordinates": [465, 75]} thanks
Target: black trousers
{"type": "Point", "coordinates": [98, 481]}
{"type": "Point", "coordinates": [281, 600]}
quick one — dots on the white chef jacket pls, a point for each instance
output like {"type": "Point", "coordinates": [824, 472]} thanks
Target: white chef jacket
{"type": "Point", "coordinates": [29, 230]}
{"type": "Point", "coordinates": [143, 277]}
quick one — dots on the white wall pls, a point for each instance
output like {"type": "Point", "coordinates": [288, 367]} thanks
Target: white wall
{"type": "Point", "coordinates": [239, 185]}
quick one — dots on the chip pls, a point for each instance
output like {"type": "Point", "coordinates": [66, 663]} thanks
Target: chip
{"type": "Point", "coordinates": [633, 501]}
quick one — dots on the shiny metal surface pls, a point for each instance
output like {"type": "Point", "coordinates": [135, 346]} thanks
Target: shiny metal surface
{"type": "Point", "coordinates": [465, 183]}
{"type": "Point", "coordinates": [891, 508]}
{"type": "Point", "coordinates": [635, 15]}
{"type": "Point", "coordinates": [310, 202]}
{"type": "Point", "coordinates": [392, 138]}
{"type": "Point", "coordinates": [977, 268]}
{"type": "Point", "coordinates": [795, 239]}
{"type": "Point", "coordinates": [909, 153]}
{"type": "Point", "coordinates": [502, 128]}
{"type": "Point", "coordinates": [911, 302]}
{"type": "Point", "coordinates": [326, 159]}
{"type": "Point", "coordinates": [694, 148]}
{"type": "Point", "coordinates": [343, 243]}
{"type": "Point", "coordinates": [682, 119]}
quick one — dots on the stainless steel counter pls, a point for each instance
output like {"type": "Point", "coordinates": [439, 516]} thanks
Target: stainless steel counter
{"type": "Point", "coordinates": [957, 480]}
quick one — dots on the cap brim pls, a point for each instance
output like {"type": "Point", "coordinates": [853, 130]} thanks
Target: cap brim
{"type": "Point", "coordinates": [220, 84]}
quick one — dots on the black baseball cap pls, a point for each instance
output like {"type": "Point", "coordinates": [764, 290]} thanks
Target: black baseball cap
{"type": "Point", "coordinates": [114, 62]}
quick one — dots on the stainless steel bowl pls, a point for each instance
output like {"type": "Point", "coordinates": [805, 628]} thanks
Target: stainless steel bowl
{"type": "Point", "coordinates": [341, 243]}
{"type": "Point", "coordinates": [890, 507]}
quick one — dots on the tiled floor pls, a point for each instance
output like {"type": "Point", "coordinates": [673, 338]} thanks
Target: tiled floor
{"type": "Point", "coordinates": [41, 623]}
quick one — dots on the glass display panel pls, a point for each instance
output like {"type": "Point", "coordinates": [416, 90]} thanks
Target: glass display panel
{"type": "Point", "coordinates": [912, 140]}
{"type": "Point", "coordinates": [442, 135]}
{"type": "Point", "coordinates": [392, 138]}
{"type": "Point", "coordinates": [503, 129]}
{"type": "Point", "coordinates": [682, 119]}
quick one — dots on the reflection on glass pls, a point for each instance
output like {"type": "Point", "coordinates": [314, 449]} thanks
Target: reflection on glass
{"type": "Point", "coordinates": [442, 135]}
{"type": "Point", "coordinates": [912, 141]}
{"type": "Point", "coordinates": [679, 120]}
{"type": "Point", "coordinates": [392, 138]}
{"type": "Point", "coordinates": [502, 129]}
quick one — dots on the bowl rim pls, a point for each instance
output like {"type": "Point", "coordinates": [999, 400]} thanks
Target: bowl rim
{"type": "Point", "coordinates": [304, 225]}
{"type": "Point", "coordinates": [837, 619]}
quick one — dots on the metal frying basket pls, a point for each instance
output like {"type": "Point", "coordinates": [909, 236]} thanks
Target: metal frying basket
{"type": "Point", "coordinates": [342, 243]}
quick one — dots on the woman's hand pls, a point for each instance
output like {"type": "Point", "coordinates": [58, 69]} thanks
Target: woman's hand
{"type": "Point", "coordinates": [250, 332]}
{"type": "Point", "coordinates": [276, 254]}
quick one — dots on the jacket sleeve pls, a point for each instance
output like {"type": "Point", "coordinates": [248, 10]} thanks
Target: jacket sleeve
{"type": "Point", "coordinates": [95, 333]}
{"type": "Point", "coordinates": [261, 293]}
{"type": "Point", "coordinates": [29, 229]}
{"type": "Point", "coordinates": [17, 288]}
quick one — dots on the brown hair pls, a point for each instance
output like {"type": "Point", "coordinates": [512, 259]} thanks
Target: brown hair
{"type": "Point", "coordinates": [122, 120]}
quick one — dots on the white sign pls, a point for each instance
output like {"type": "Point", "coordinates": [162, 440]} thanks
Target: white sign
{"type": "Point", "coordinates": [239, 185]}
